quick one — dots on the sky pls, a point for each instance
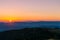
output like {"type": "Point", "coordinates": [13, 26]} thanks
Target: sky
{"type": "Point", "coordinates": [29, 10]}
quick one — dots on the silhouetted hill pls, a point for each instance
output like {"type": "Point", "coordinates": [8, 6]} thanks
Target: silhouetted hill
{"type": "Point", "coordinates": [30, 34]}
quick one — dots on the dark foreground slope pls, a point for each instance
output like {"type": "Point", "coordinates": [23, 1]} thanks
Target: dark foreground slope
{"type": "Point", "coordinates": [31, 34]}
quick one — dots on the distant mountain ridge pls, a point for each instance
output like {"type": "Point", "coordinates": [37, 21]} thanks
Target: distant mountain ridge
{"type": "Point", "coordinates": [21, 25]}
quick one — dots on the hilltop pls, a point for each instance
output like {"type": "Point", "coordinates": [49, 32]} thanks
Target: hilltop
{"type": "Point", "coordinates": [30, 34]}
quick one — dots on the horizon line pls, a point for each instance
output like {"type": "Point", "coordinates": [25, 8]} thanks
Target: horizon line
{"type": "Point", "coordinates": [28, 21]}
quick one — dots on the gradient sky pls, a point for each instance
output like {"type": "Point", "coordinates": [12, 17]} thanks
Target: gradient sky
{"type": "Point", "coordinates": [31, 10]}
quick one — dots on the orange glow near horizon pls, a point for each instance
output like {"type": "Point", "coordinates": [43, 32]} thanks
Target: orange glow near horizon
{"type": "Point", "coordinates": [14, 19]}
{"type": "Point", "coordinates": [8, 19]}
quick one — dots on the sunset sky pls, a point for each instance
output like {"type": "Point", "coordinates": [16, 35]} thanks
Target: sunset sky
{"type": "Point", "coordinates": [30, 10]}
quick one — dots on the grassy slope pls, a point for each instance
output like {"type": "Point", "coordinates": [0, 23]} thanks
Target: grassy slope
{"type": "Point", "coordinates": [30, 34]}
